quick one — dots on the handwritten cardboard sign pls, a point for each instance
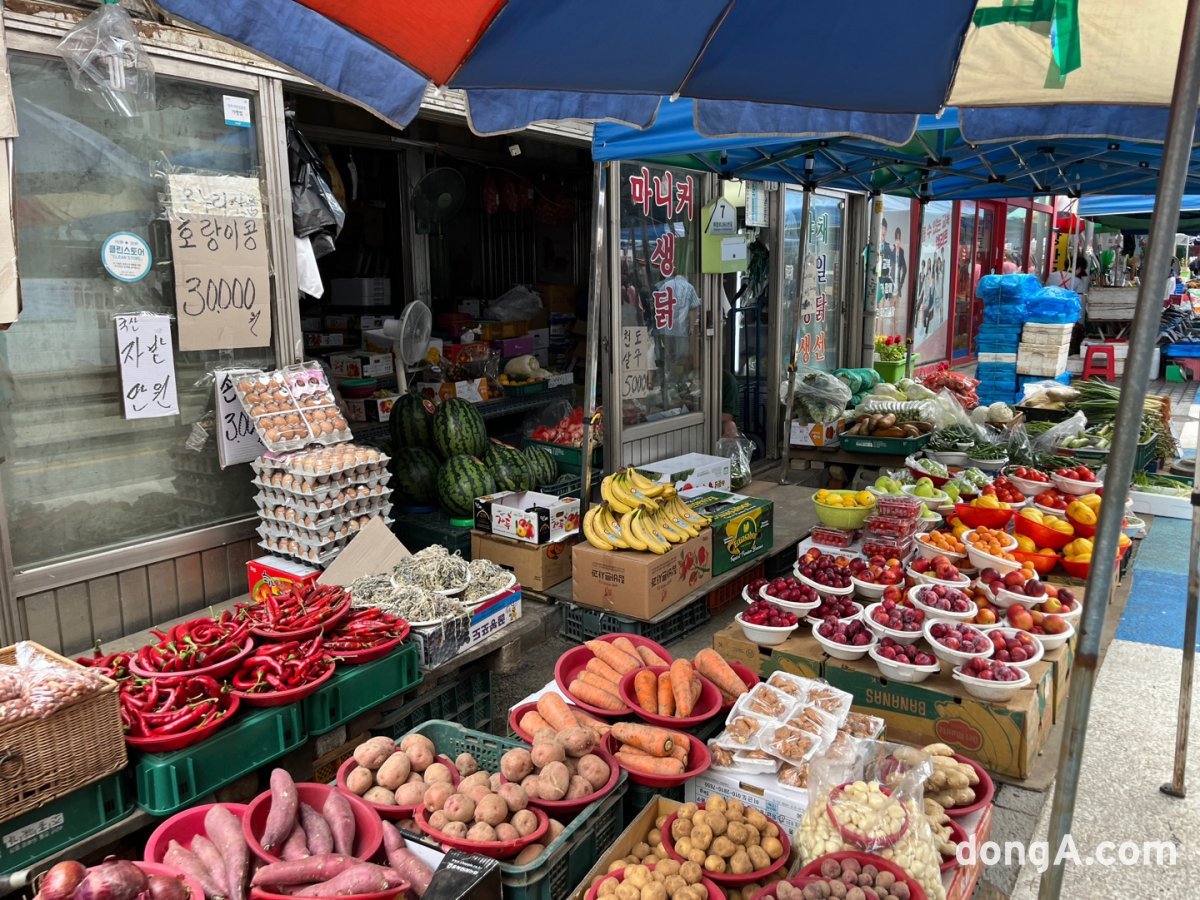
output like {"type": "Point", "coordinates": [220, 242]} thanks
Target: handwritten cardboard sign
{"type": "Point", "coordinates": [222, 269]}
{"type": "Point", "coordinates": [147, 364]}
{"type": "Point", "coordinates": [237, 441]}
{"type": "Point", "coordinates": [637, 362]}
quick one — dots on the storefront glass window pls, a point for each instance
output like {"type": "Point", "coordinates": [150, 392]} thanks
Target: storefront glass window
{"type": "Point", "coordinates": [931, 331]}
{"type": "Point", "coordinates": [1014, 240]}
{"type": "Point", "coordinates": [895, 251]}
{"type": "Point", "coordinates": [1039, 244]}
{"type": "Point", "coordinates": [77, 476]}
{"type": "Point", "coordinates": [820, 297]}
{"type": "Point", "coordinates": [661, 343]}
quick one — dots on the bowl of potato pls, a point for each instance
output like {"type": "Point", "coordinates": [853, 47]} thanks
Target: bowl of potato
{"type": "Point", "coordinates": [483, 827]}
{"type": "Point", "coordinates": [732, 843]}
{"type": "Point", "coordinates": [392, 778]}
{"type": "Point", "coordinates": [558, 780]}
{"type": "Point", "coordinates": [666, 880]}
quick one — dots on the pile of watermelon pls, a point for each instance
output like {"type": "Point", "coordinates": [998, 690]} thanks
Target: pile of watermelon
{"type": "Point", "coordinates": [569, 430]}
{"type": "Point", "coordinates": [442, 454]}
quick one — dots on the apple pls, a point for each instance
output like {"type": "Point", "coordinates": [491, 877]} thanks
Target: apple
{"type": "Point", "coordinates": [921, 565]}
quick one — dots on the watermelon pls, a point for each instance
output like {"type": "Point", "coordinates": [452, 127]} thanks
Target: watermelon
{"type": "Point", "coordinates": [414, 476]}
{"type": "Point", "coordinates": [463, 478]}
{"type": "Point", "coordinates": [458, 429]}
{"type": "Point", "coordinates": [509, 467]}
{"type": "Point", "coordinates": [542, 465]}
{"type": "Point", "coordinates": [411, 421]}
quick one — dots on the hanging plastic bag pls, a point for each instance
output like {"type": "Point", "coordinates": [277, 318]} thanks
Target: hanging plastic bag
{"type": "Point", "coordinates": [108, 62]}
{"type": "Point", "coordinates": [820, 397]}
{"type": "Point", "coordinates": [316, 213]}
{"type": "Point", "coordinates": [739, 451]}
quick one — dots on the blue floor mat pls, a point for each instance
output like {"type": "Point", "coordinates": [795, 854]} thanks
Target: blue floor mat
{"type": "Point", "coordinates": [1158, 595]}
{"type": "Point", "coordinates": [1166, 547]}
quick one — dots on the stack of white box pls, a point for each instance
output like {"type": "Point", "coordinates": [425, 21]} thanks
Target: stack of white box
{"type": "Point", "coordinates": [1043, 349]}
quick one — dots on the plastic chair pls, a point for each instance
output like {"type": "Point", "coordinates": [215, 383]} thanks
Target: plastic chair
{"type": "Point", "coordinates": [1092, 368]}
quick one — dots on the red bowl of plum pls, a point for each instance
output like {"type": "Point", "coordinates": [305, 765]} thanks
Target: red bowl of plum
{"type": "Point", "coordinates": [871, 577]}
{"type": "Point", "coordinates": [825, 573]}
{"type": "Point", "coordinates": [989, 679]}
{"type": "Point", "coordinates": [844, 639]}
{"type": "Point", "coordinates": [901, 623]}
{"type": "Point", "coordinates": [939, 570]}
{"type": "Point", "coordinates": [767, 624]}
{"type": "Point", "coordinates": [940, 602]}
{"type": "Point", "coordinates": [790, 594]}
{"type": "Point", "coordinates": [909, 663]}
{"type": "Point", "coordinates": [1015, 647]}
{"type": "Point", "coordinates": [838, 606]}
{"type": "Point", "coordinates": [957, 642]}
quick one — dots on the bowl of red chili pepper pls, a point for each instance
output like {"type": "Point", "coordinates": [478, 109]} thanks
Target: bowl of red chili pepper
{"type": "Point", "coordinates": [202, 646]}
{"type": "Point", "coordinates": [302, 611]}
{"type": "Point", "coordinates": [365, 636]}
{"type": "Point", "coordinates": [163, 714]}
{"type": "Point", "coordinates": [282, 673]}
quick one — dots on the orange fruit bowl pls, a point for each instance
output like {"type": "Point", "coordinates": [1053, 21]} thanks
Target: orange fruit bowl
{"type": "Point", "coordinates": [1043, 563]}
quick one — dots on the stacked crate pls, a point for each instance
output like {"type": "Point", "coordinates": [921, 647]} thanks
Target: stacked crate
{"type": "Point", "coordinates": [1043, 349]}
{"type": "Point", "coordinates": [997, 369]}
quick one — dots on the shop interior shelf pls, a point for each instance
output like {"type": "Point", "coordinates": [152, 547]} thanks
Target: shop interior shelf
{"type": "Point", "coordinates": [355, 689]}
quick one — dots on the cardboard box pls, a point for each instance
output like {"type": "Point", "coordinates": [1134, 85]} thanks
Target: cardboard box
{"type": "Point", "coordinates": [273, 574]}
{"type": "Point", "coordinates": [474, 391]}
{"type": "Point", "coordinates": [475, 351]}
{"type": "Point", "coordinates": [528, 516]}
{"type": "Point", "coordinates": [742, 526]}
{"type": "Point", "coordinates": [1002, 737]}
{"type": "Point", "coordinates": [540, 338]}
{"type": "Point", "coordinates": [799, 654]}
{"type": "Point", "coordinates": [558, 298]}
{"type": "Point", "coordinates": [517, 346]}
{"type": "Point", "coordinates": [537, 567]}
{"type": "Point", "coordinates": [440, 643]}
{"type": "Point", "coordinates": [640, 585]}
{"type": "Point", "coordinates": [762, 792]}
{"type": "Point", "coordinates": [372, 409]}
{"type": "Point", "coordinates": [816, 435]}
{"type": "Point", "coordinates": [1062, 662]}
{"type": "Point", "coordinates": [373, 551]}
{"type": "Point", "coordinates": [635, 833]}
{"type": "Point", "coordinates": [361, 365]}
{"type": "Point", "coordinates": [692, 470]}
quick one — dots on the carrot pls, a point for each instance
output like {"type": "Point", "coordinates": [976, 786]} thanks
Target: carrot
{"type": "Point", "coordinates": [666, 699]}
{"type": "Point", "coordinates": [589, 721]}
{"type": "Point", "coordinates": [603, 683]}
{"type": "Point", "coordinates": [713, 666]}
{"type": "Point", "coordinates": [651, 765]}
{"type": "Point", "coordinates": [532, 721]}
{"type": "Point", "coordinates": [649, 657]}
{"type": "Point", "coordinates": [681, 686]}
{"type": "Point", "coordinates": [626, 646]}
{"type": "Point", "coordinates": [655, 741]}
{"type": "Point", "coordinates": [645, 689]}
{"type": "Point", "coordinates": [681, 746]}
{"type": "Point", "coordinates": [614, 656]}
{"type": "Point", "coordinates": [696, 689]}
{"type": "Point", "coordinates": [554, 710]}
{"type": "Point", "coordinates": [603, 669]}
{"type": "Point", "coordinates": [589, 693]}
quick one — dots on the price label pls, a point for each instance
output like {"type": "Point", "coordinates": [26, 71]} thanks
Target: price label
{"type": "Point", "coordinates": [147, 364]}
{"type": "Point", "coordinates": [237, 442]}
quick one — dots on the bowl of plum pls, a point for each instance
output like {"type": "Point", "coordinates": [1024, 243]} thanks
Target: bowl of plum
{"type": "Point", "coordinates": [836, 606]}
{"type": "Point", "coordinates": [766, 623]}
{"type": "Point", "coordinates": [790, 594]}
{"type": "Point", "coordinates": [1012, 587]}
{"type": "Point", "coordinates": [957, 642]}
{"type": "Point", "coordinates": [750, 591]}
{"type": "Point", "coordinates": [890, 619]}
{"type": "Point", "coordinates": [940, 602]}
{"type": "Point", "coordinates": [825, 573]}
{"type": "Point", "coordinates": [1015, 647]}
{"type": "Point", "coordinates": [909, 663]}
{"type": "Point", "coordinates": [871, 577]}
{"type": "Point", "coordinates": [845, 639]}
{"type": "Point", "coordinates": [938, 570]}
{"type": "Point", "coordinates": [990, 679]}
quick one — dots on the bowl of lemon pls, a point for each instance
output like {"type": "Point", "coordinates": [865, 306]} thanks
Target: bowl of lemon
{"type": "Point", "coordinates": [844, 509]}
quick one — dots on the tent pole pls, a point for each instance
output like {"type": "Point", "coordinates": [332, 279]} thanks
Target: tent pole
{"type": "Point", "coordinates": [595, 302]}
{"type": "Point", "coordinates": [871, 264]}
{"type": "Point", "coordinates": [786, 454]}
{"type": "Point", "coordinates": [1177, 787]}
{"type": "Point", "coordinates": [914, 270]}
{"type": "Point", "coordinates": [1173, 178]}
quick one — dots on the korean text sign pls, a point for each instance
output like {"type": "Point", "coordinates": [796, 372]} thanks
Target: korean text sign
{"type": "Point", "coordinates": [147, 364]}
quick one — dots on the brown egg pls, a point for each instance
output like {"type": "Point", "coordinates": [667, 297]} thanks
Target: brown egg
{"type": "Point", "coordinates": [245, 385]}
{"type": "Point", "coordinates": [272, 435]}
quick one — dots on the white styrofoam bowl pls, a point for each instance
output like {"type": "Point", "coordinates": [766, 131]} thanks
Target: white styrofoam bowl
{"type": "Point", "coordinates": [765, 635]}
{"type": "Point", "coordinates": [934, 613]}
{"type": "Point", "coordinates": [1009, 631]}
{"type": "Point", "coordinates": [953, 657]}
{"type": "Point", "coordinates": [800, 609]}
{"type": "Point", "coordinates": [843, 651]}
{"type": "Point", "coordinates": [900, 637]}
{"type": "Point", "coordinates": [896, 671]}
{"type": "Point", "coordinates": [1074, 486]}
{"type": "Point", "coordinates": [994, 691]}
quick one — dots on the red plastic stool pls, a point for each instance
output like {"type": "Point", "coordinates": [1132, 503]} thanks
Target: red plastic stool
{"type": "Point", "coordinates": [1092, 368]}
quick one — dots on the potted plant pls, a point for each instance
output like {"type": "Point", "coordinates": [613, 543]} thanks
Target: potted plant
{"type": "Point", "coordinates": [891, 357]}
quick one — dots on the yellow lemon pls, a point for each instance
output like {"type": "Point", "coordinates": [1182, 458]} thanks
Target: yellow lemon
{"type": "Point", "coordinates": [834, 500]}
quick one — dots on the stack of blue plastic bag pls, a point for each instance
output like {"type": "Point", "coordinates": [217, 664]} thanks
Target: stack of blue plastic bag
{"type": "Point", "coordinates": [1005, 299]}
{"type": "Point", "coordinates": [1053, 306]}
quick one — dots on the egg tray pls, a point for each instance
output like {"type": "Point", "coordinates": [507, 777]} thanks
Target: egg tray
{"type": "Point", "coordinates": [314, 538]}
{"type": "Point", "coordinates": [292, 408]}
{"type": "Point", "coordinates": [327, 519]}
{"type": "Point", "coordinates": [310, 464]}
{"type": "Point", "coordinates": [305, 490]}
{"type": "Point", "coordinates": [357, 497]}
{"type": "Point", "coordinates": [305, 555]}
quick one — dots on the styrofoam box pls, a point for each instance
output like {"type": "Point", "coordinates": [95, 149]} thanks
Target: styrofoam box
{"type": "Point", "coordinates": [1045, 340]}
{"type": "Point", "coordinates": [762, 792]}
{"type": "Point", "coordinates": [1161, 505]}
{"type": "Point", "coordinates": [997, 357]}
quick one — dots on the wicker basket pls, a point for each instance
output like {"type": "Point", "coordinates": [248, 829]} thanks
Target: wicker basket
{"type": "Point", "coordinates": [44, 759]}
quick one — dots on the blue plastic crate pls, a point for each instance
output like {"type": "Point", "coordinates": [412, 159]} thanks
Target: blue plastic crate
{"type": "Point", "coordinates": [993, 329]}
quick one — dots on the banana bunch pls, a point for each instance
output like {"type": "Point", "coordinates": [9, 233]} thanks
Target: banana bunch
{"type": "Point", "coordinates": [644, 528]}
{"type": "Point", "coordinates": [628, 489]}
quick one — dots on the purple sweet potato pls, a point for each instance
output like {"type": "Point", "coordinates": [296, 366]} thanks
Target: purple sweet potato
{"type": "Point", "coordinates": [303, 871]}
{"type": "Point", "coordinates": [296, 846]}
{"type": "Point", "coordinates": [320, 838]}
{"type": "Point", "coordinates": [282, 817]}
{"type": "Point", "coordinates": [364, 878]}
{"type": "Point", "coordinates": [340, 816]}
{"type": "Point", "coordinates": [225, 831]}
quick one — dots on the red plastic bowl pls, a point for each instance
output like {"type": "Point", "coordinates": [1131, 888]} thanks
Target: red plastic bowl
{"type": "Point", "coordinates": [304, 634]}
{"type": "Point", "coordinates": [368, 827]}
{"type": "Point", "coordinates": [726, 878]}
{"type": "Point", "coordinates": [195, 889]}
{"type": "Point", "coordinates": [1042, 563]}
{"type": "Point", "coordinates": [182, 827]}
{"type": "Point", "coordinates": [491, 849]}
{"type": "Point", "coordinates": [517, 713]}
{"type": "Point", "coordinates": [1082, 530]}
{"type": "Point", "coordinates": [390, 812]}
{"type": "Point", "coordinates": [217, 670]}
{"type": "Point", "coordinates": [575, 660]}
{"type": "Point", "coordinates": [707, 705]}
{"type": "Point", "coordinates": [974, 516]}
{"type": "Point", "coordinates": [698, 761]}
{"type": "Point", "coordinates": [282, 698]}
{"type": "Point", "coordinates": [714, 892]}
{"type": "Point", "coordinates": [937, 480]}
{"type": "Point", "coordinates": [359, 657]}
{"type": "Point", "coordinates": [915, 891]}
{"type": "Point", "coordinates": [984, 791]}
{"type": "Point", "coordinates": [565, 810]}
{"type": "Point", "coordinates": [958, 835]}
{"type": "Point", "coordinates": [748, 678]}
{"type": "Point", "coordinates": [169, 742]}
{"type": "Point", "coordinates": [1043, 536]}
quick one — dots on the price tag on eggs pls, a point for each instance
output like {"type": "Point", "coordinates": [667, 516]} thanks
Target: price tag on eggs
{"type": "Point", "coordinates": [237, 441]}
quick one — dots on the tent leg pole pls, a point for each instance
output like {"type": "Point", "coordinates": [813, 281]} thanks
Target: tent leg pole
{"type": "Point", "coordinates": [786, 454]}
{"type": "Point", "coordinates": [871, 264]}
{"type": "Point", "coordinates": [1174, 170]}
{"type": "Point", "coordinates": [1177, 786]}
{"type": "Point", "coordinates": [595, 303]}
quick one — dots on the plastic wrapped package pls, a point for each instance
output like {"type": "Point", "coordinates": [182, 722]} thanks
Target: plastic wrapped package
{"type": "Point", "coordinates": [820, 397]}
{"type": "Point", "coordinates": [741, 731]}
{"type": "Point", "coordinates": [739, 451]}
{"type": "Point", "coordinates": [1052, 437]}
{"type": "Point", "coordinates": [765, 701]}
{"type": "Point", "coordinates": [48, 684]}
{"type": "Point", "coordinates": [1053, 305]}
{"type": "Point", "coordinates": [832, 537]}
{"type": "Point", "coordinates": [107, 62]}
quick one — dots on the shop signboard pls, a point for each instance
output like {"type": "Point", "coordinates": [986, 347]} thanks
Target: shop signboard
{"type": "Point", "coordinates": [147, 363]}
{"type": "Point", "coordinates": [895, 248]}
{"type": "Point", "coordinates": [637, 362]}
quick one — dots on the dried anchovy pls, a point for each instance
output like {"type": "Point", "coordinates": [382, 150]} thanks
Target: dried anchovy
{"type": "Point", "coordinates": [371, 590]}
{"type": "Point", "coordinates": [434, 571]}
{"type": "Point", "coordinates": [416, 604]}
{"type": "Point", "coordinates": [486, 578]}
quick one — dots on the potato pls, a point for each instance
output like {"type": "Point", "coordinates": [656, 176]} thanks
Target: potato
{"type": "Point", "coordinates": [556, 828]}
{"type": "Point", "coordinates": [514, 796]}
{"type": "Point", "coordinates": [420, 756]}
{"type": "Point", "coordinates": [492, 809]}
{"type": "Point", "coordinates": [716, 821]}
{"type": "Point", "coordinates": [654, 837]}
{"type": "Point", "coordinates": [577, 741]}
{"type": "Point", "coordinates": [380, 795]}
{"type": "Point", "coordinates": [417, 740]}
{"type": "Point", "coordinates": [579, 787]}
{"type": "Point", "coordinates": [466, 764]}
{"type": "Point", "coordinates": [660, 822]}
{"type": "Point", "coordinates": [530, 854]}
{"type": "Point", "coordinates": [553, 781]}
{"type": "Point", "coordinates": [626, 891]}
{"type": "Point", "coordinates": [673, 883]}
{"type": "Point", "coordinates": [459, 808]}
{"type": "Point", "coordinates": [546, 752]}
{"type": "Point", "coordinates": [607, 888]}
{"type": "Point", "coordinates": [739, 863]}
{"type": "Point", "coordinates": [516, 765]}
{"type": "Point", "coordinates": [702, 836]}
{"type": "Point", "coordinates": [772, 830]}
{"type": "Point", "coordinates": [691, 872]}
{"type": "Point", "coordinates": [395, 771]}
{"type": "Point", "coordinates": [475, 778]}
{"type": "Point", "coordinates": [616, 865]}
{"type": "Point", "coordinates": [572, 765]}
{"type": "Point", "coordinates": [475, 791]}
{"type": "Point", "coordinates": [456, 829]}
{"type": "Point", "coordinates": [544, 734]}
{"type": "Point", "coordinates": [697, 856]}
{"type": "Point", "coordinates": [654, 891]}
{"type": "Point", "coordinates": [758, 858]}
{"type": "Point", "coordinates": [411, 794]}
{"type": "Point", "coordinates": [773, 847]}
{"type": "Point", "coordinates": [436, 796]}
{"type": "Point", "coordinates": [526, 823]}
{"type": "Point", "coordinates": [753, 838]}
{"type": "Point", "coordinates": [361, 779]}
{"type": "Point", "coordinates": [714, 863]}
{"type": "Point", "coordinates": [481, 831]}
{"type": "Point", "coordinates": [638, 876]}
{"type": "Point", "coordinates": [494, 782]}
{"type": "Point", "coordinates": [374, 753]}
{"type": "Point", "coordinates": [681, 828]}
{"type": "Point", "coordinates": [438, 820]}
{"type": "Point", "coordinates": [757, 819]}
{"type": "Point", "coordinates": [409, 825]}
{"type": "Point", "coordinates": [736, 832]}
{"type": "Point", "coordinates": [684, 848]}
{"type": "Point", "coordinates": [723, 847]}
{"type": "Point", "coordinates": [437, 773]}
{"type": "Point", "coordinates": [735, 809]}
{"type": "Point", "coordinates": [413, 777]}
{"type": "Point", "coordinates": [506, 832]}
{"type": "Point", "coordinates": [641, 850]}
{"type": "Point", "coordinates": [686, 811]}
{"type": "Point", "coordinates": [667, 868]}
{"type": "Point", "coordinates": [530, 786]}
{"type": "Point", "coordinates": [715, 803]}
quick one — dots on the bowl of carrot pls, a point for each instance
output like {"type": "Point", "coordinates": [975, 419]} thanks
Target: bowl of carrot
{"type": "Point", "coordinates": [654, 756]}
{"type": "Point", "coordinates": [674, 696]}
{"type": "Point", "coordinates": [551, 711]}
{"type": "Point", "coordinates": [590, 675]}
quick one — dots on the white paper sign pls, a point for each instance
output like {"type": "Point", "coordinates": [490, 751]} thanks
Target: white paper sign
{"type": "Point", "coordinates": [637, 362]}
{"type": "Point", "coordinates": [756, 205]}
{"type": "Point", "coordinates": [147, 363]}
{"type": "Point", "coordinates": [237, 441]}
{"type": "Point", "coordinates": [724, 218]}
{"type": "Point", "coordinates": [237, 110]}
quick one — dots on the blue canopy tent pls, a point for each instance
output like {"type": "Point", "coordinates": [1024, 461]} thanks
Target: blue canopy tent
{"type": "Point", "coordinates": [1133, 213]}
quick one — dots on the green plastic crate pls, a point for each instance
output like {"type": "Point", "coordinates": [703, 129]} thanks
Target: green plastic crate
{"type": "Point", "coordinates": [583, 624]}
{"type": "Point", "coordinates": [355, 689]}
{"type": "Point", "coordinates": [884, 445]}
{"type": "Point", "coordinates": [1141, 462]}
{"type": "Point", "coordinates": [167, 782]}
{"type": "Point", "coordinates": [63, 822]}
{"type": "Point", "coordinates": [466, 699]}
{"type": "Point", "coordinates": [417, 531]}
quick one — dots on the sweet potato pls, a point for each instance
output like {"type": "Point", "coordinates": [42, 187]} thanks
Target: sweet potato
{"type": "Point", "coordinates": [380, 795]}
{"type": "Point", "coordinates": [211, 857]}
{"type": "Point", "coordinates": [320, 838]}
{"type": "Point", "coordinates": [525, 822]}
{"type": "Point", "coordinates": [225, 831]}
{"type": "Point", "coordinates": [577, 741]}
{"type": "Point", "coordinates": [361, 779]}
{"type": "Point", "coordinates": [394, 772]}
{"type": "Point", "coordinates": [404, 861]}
{"type": "Point", "coordinates": [516, 764]}
{"type": "Point", "coordinates": [340, 816]}
{"type": "Point", "coordinates": [296, 846]}
{"type": "Point", "coordinates": [187, 862]}
{"type": "Point", "coordinates": [282, 816]}
{"type": "Point", "coordinates": [364, 878]}
{"type": "Point", "coordinates": [529, 854]}
{"type": "Point", "coordinates": [491, 809]}
{"type": "Point", "coordinates": [595, 770]}
{"type": "Point", "coordinates": [374, 753]}
{"type": "Point", "coordinates": [304, 871]}
{"type": "Point", "coordinates": [514, 796]}
{"type": "Point", "coordinates": [437, 773]}
{"type": "Point", "coordinates": [466, 764]}
{"type": "Point", "coordinates": [553, 781]}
